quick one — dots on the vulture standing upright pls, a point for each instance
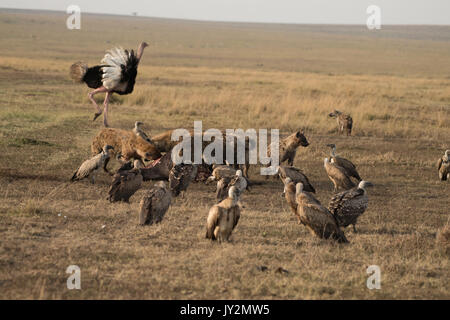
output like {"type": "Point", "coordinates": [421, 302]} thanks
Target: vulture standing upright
{"type": "Point", "coordinates": [289, 195]}
{"type": "Point", "coordinates": [347, 165]}
{"type": "Point", "coordinates": [116, 73]}
{"type": "Point", "coordinates": [316, 217]}
{"type": "Point", "coordinates": [223, 217]}
{"type": "Point", "coordinates": [348, 205]}
{"type": "Point", "coordinates": [154, 204]}
{"type": "Point", "coordinates": [338, 176]}
{"type": "Point", "coordinates": [444, 166]}
{"type": "Point", "coordinates": [295, 175]}
{"type": "Point", "coordinates": [89, 167]}
{"type": "Point", "coordinates": [124, 185]}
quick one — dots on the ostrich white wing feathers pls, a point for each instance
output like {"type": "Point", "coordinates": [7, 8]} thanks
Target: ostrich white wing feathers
{"type": "Point", "coordinates": [112, 72]}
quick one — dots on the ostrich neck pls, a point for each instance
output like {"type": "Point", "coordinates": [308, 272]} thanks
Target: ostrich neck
{"type": "Point", "coordinates": [140, 52]}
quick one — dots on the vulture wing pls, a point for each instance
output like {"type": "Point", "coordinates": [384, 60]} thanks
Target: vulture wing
{"type": "Point", "coordinates": [124, 185]}
{"type": "Point", "coordinates": [296, 176]}
{"type": "Point", "coordinates": [439, 164]}
{"type": "Point", "coordinates": [222, 188]}
{"type": "Point", "coordinates": [213, 220]}
{"type": "Point", "coordinates": [348, 166]}
{"type": "Point", "coordinates": [87, 167]}
{"type": "Point", "coordinates": [154, 205]}
{"type": "Point", "coordinates": [236, 215]}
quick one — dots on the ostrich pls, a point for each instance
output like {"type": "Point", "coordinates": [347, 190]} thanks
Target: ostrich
{"type": "Point", "coordinates": [117, 73]}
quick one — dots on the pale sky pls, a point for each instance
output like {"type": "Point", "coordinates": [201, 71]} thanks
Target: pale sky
{"type": "Point", "coordinates": [283, 11]}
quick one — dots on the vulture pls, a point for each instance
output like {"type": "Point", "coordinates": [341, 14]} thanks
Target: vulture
{"type": "Point", "coordinates": [338, 176]}
{"type": "Point", "coordinates": [221, 171]}
{"type": "Point", "coordinates": [223, 217]}
{"type": "Point", "coordinates": [180, 176]}
{"type": "Point", "coordinates": [139, 132]}
{"type": "Point", "coordinates": [295, 175]}
{"type": "Point", "coordinates": [444, 166]}
{"type": "Point", "coordinates": [88, 167]}
{"type": "Point", "coordinates": [348, 205]}
{"type": "Point", "coordinates": [316, 217]}
{"type": "Point", "coordinates": [289, 195]}
{"type": "Point", "coordinates": [238, 180]}
{"type": "Point", "coordinates": [347, 165]}
{"type": "Point", "coordinates": [222, 188]}
{"type": "Point", "coordinates": [124, 185]}
{"type": "Point", "coordinates": [154, 204]}
{"type": "Point", "coordinates": [116, 73]}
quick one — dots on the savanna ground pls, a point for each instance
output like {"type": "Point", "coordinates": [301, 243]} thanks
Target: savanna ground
{"type": "Point", "coordinates": [394, 82]}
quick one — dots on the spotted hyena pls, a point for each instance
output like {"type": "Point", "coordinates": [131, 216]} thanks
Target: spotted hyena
{"type": "Point", "coordinates": [345, 122]}
{"type": "Point", "coordinates": [289, 145]}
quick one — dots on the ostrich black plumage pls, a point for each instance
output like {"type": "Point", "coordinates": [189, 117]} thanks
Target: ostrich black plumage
{"type": "Point", "coordinates": [117, 73]}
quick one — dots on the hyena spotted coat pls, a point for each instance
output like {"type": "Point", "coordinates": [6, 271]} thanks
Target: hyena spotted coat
{"type": "Point", "coordinates": [288, 147]}
{"type": "Point", "coordinates": [344, 121]}
{"type": "Point", "coordinates": [127, 145]}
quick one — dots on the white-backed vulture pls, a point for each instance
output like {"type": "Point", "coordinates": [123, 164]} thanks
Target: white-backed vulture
{"type": "Point", "coordinates": [224, 184]}
{"type": "Point", "coordinates": [338, 176]}
{"type": "Point", "coordinates": [222, 188]}
{"type": "Point", "coordinates": [154, 204]}
{"type": "Point", "coordinates": [223, 217]}
{"type": "Point", "coordinates": [347, 165]}
{"type": "Point", "coordinates": [296, 175]}
{"type": "Point", "coordinates": [348, 205]}
{"type": "Point", "coordinates": [89, 167]}
{"type": "Point", "coordinates": [444, 166]}
{"type": "Point", "coordinates": [289, 194]}
{"type": "Point", "coordinates": [180, 176]}
{"type": "Point", "coordinates": [316, 217]}
{"type": "Point", "coordinates": [139, 132]}
{"type": "Point", "coordinates": [124, 185]}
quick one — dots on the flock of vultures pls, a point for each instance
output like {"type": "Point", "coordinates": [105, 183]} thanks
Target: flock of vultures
{"type": "Point", "coordinates": [117, 74]}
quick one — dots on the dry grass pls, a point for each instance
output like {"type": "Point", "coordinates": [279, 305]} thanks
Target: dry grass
{"type": "Point", "coordinates": [443, 239]}
{"type": "Point", "coordinates": [394, 83]}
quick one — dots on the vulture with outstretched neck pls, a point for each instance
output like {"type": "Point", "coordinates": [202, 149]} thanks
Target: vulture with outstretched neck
{"type": "Point", "coordinates": [116, 74]}
{"type": "Point", "coordinates": [90, 166]}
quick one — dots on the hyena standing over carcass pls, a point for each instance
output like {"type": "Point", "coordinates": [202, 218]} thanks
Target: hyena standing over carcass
{"type": "Point", "coordinates": [344, 122]}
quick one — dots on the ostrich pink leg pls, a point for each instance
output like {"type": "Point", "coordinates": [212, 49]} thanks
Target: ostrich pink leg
{"type": "Point", "coordinates": [91, 97]}
{"type": "Point", "coordinates": [105, 114]}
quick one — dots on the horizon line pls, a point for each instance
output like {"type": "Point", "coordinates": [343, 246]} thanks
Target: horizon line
{"type": "Point", "coordinates": [226, 21]}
